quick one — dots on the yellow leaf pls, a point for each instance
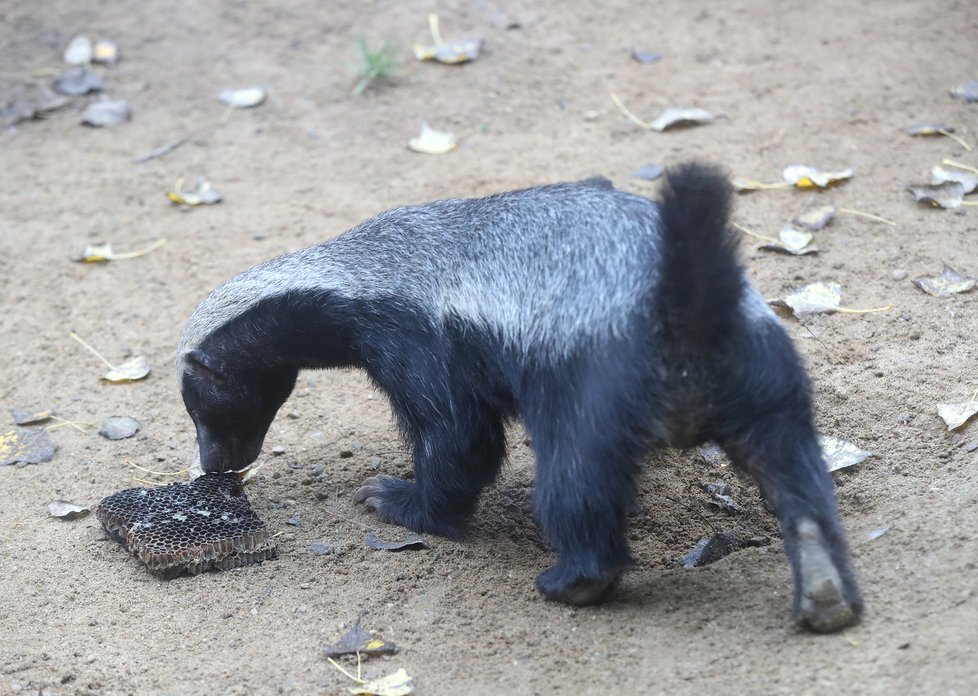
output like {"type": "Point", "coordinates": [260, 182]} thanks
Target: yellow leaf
{"type": "Point", "coordinates": [130, 371]}
{"type": "Point", "coordinates": [398, 684]}
{"type": "Point", "coordinates": [432, 142]}
{"type": "Point", "coordinates": [803, 176]}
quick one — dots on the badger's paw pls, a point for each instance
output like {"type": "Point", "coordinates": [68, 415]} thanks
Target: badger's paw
{"type": "Point", "coordinates": [826, 602]}
{"type": "Point", "coordinates": [397, 501]}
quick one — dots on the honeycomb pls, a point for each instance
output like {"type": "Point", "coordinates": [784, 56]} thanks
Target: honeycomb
{"type": "Point", "coordinates": [188, 528]}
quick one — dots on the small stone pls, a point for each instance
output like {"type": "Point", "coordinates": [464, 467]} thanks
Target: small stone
{"type": "Point", "coordinates": [346, 454]}
{"type": "Point", "coordinates": [278, 450]}
{"type": "Point", "coordinates": [899, 274]}
{"type": "Point", "coordinates": [319, 470]}
{"type": "Point", "coordinates": [591, 115]}
{"type": "Point", "coordinates": [79, 51]}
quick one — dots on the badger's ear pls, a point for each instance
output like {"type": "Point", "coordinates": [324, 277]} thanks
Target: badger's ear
{"type": "Point", "coordinates": [205, 365]}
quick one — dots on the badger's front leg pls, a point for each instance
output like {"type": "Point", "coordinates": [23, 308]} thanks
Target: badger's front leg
{"type": "Point", "coordinates": [455, 457]}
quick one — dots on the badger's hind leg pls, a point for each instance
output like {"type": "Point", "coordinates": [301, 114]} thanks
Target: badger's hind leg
{"type": "Point", "coordinates": [456, 455]}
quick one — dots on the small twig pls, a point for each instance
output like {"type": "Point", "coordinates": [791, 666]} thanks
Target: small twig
{"type": "Point", "coordinates": [966, 167]}
{"type": "Point", "coordinates": [433, 27]}
{"type": "Point", "coordinates": [751, 185]}
{"type": "Point", "coordinates": [629, 115]}
{"type": "Point", "coordinates": [955, 138]}
{"type": "Point", "coordinates": [92, 350]}
{"type": "Point", "coordinates": [140, 252]}
{"type": "Point", "coordinates": [869, 216]}
{"type": "Point", "coordinates": [71, 424]}
{"type": "Point", "coordinates": [155, 484]}
{"type": "Point", "coordinates": [848, 310]}
{"type": "Point", "coordinates": [340, 668]}
{"type": "Point", "coordinates": [815, 336]}
{"type": "Point", "coordinates": [226, 116]}
{"type": "Point", "coordinates": [159, 152]}
{"type": "Point", "coordinates": [743, 229]}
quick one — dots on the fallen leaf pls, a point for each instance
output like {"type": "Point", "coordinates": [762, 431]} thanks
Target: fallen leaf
{"type": "Point", "coordinates": [839, 454]}
{"type": "Point", "coordinates": [710, 549]}
{"type": "Point", "coordinates": [929, 128]}
{"type": "Point", "coordinates": [450, 54]}
{"type": "Point", "coordinates": [101, 253]}
{"type": "Point", "coordinates": [64, 510]}
{"type": "Point", "coordinates": [949, 194]}
{"type": "Point", "coordinates": [105, 52]}
{"type": "Point", "coordinates": [358, 640]}
{"type": "Point", "coordinates": [816, 298]}
{"type": "Point", "coordinates": [948, 283]}
{"type": "Point", "coordinates": [24, 417]}
{"type": "Point", "coordinates": [967, 91]}
{"type": "Point", "coordinates": [968, 180]}
{"type": "Point", "coordinates": [432, 142]}
{"type": "Point", "coordinates": [77, 81]}
{"type": "Point", "coordinates": [243, 98]}
{"type": "Point", "coordinates": [792, 241]}
{"type": "Point", "coordinates": [30, 109]}
{"type": "Point", "coordinates": [956, 415]}
{"type": "Point", "coordinates": [105, 113]}
{"type": "Point", "coordinates": [877, 533]}
{"type": "Point", "coordinates": [409, 544]}
{"type": "Point", "coordinates": [203, 194]}
{"type": "Point", "coordinates": [398, 684]}
{"type": "Point", "coordinates": [816, 218]}
{"type": "Point", "coordinates": [645, 57]}
{"type": "Point", "coordinates": [79, 51]}
{"type": "Point", "coordinates": [803, 176]}
{"type": "Point", "coordinates": [119, 427]}
{"type": "Point", "coordinates": [673, 117]}
{"type": "Point", "coordinates": [131, 370]}
{"type": "Point", "coordinates": [649, 172]}
{"type": "Point", "coordinates": [23, 446]}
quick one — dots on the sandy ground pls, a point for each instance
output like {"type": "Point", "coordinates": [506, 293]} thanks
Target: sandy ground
{"type": "Point", "coordinates": [796, 82]}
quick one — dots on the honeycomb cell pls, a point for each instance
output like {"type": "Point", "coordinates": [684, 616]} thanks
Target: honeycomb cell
{"type": "Point", "coordinates": [188, 528]}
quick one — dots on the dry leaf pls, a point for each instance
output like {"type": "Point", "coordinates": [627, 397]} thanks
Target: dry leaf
{"type": "Point", "coordinates": [130, 371]}
{"type": "Point", "coordinates": [968, 180]}
{"type": "Point", "coordinates": [107, 112]}
{"type": "Point", "coordinates": [64, 510]}
{"type": "Point", "coordinates": [956, 415]}
{"type": "Point", "coordinates": [398, 684]}
{"type": "Point", "coordinates": [358, 640]}
{"type": "Point", "coordinates": [673, 117]}
{"type": "Point", "coordinates": [203, 194]}
{"type": "Point", "coordinates": [792, 241]}
{"type": "Point", "coordinates": [243, 98]}
{"type": "Point", "coordinates": [432, 142]}
{"type": "Point", "coordinates": [119, 427]}
{"type": "Point", "coordinates": [839, 454]}
{"type": "Point", "coordinates": [23, 446]}
{"type": "Point", "coordinates": [710, 549]}
{"type": "Point", "coordinates": [948, 283]}
{"type": "Point", "coordinates": [803, 176]}
{"type": "Point", "coordinates": [79, 51]}
{"type": "Point", "coordinates": [816, 218]}
{"type": "Point", "coordinates": [967, 91]}
{"type": "Point", "coordinates": [24, 417]}
{"type": "Point", "coordinates": [77, 81]}
{"type": "Point", "coordinates": [451, 54]}
{"type": "Point", "coordinates": [409, 544]}
{"type": "Point", "coordinates": [645, 57]}
{"type": "Point", "coordinates": [105, 52]}
{"type": "Point", "coordinates": [929, 128]}
{"type": "Point", "coordinates": [101, 253]}
{"type": "Point", "coordinates": [817, 298]}
{"type": "Point", "coordinates": [949, 194]}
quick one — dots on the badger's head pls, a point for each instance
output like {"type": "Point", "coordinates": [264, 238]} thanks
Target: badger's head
{"type": "Point", "coordinates": [232, 406]}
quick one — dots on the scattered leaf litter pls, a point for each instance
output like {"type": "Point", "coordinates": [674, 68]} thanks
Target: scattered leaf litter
{"type": "Point", "coordinates": [409, 544]}
{"type": "Point", "coordinates": [802, 176]}
{"type": "Point", "coordinates": [670, 117]}
{"type": "Point", "coordinates": [398, 684]}
{"type": "Point", "coordinates": [967, 92]}
{"type": "Point", "coordinates": [821, 297]}
{"type": "Point", "coordinates": [967, 179]}
{"type": "Point", "coordinates": [948, 283]}
{"type": "Point", "coordinates": [947, 195]}
{"type": "Point", "coordinates": [358, 641]}
{"type": "Point", "coordinates": [243, 98]}
{"type": "Point", "coordinates": [101, 253]}
{"type": "Point", "coordinates": [25, 417]}
{"type": "Point", "coordinates": [815, 218]}
{"type": "Point", "coordinates": [839, 454]}
{"type": "Point", "coordinates": [119, 427]}
{"type": "Point", "coordinates": [433, 142]}
{"type": "Point", "coordinates": [956, 415]}
{"type": "Point", "coordinates": [74, 82]}
{"type": "Point", "coordinates": [79, 51]}
{"type": "Point", "coordinates": [931, 128]}
{"type": "Point", "coordinates": [106, 112]}
{"type": "Point", "coordinates": [792, 241]}
{"type": "Point", "coordinates": [203, 194]}
{"type": "Point", "coordinates": [131, 370]}
{"type": "Point", "coordinates": [456, 53]}
{"type": "Point", "coordinates": [22, 446]}
{"type": "Point", "coordinates": [64, 510]}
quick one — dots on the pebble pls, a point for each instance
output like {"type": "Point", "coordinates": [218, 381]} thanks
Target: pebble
{"type": "Point", "coordinates": [899, 274]}
{"type": "Point", "coordinates": [278, 450]}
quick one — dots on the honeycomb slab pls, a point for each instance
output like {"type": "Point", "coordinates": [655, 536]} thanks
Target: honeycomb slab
{"type": "Point", "coordinates": [188, 528]}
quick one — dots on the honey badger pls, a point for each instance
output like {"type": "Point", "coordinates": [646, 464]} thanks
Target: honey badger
{"type": "Point", "coordinates": [609, 324]}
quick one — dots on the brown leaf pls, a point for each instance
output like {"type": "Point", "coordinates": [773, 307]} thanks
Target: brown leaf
{"type": "Point", "coordinates": [950, 282]}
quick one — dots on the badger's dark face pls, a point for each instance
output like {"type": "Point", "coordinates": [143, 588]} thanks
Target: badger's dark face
{"type": "Point", "coordinates": [232, 408]}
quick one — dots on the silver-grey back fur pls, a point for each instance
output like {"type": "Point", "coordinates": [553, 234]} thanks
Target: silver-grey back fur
{"type": "Point", "coordinates": [543, 268]}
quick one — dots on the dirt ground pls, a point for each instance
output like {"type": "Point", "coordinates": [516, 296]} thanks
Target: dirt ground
{"type": "Point", "coordinates": [821, 83]}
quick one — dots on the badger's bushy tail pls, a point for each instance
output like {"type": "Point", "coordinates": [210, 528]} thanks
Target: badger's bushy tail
{"type": "Point", "coordinates": [702, 281]}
